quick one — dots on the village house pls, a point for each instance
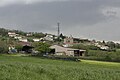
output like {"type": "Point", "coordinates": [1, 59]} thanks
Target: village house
{"type": "Point", "coordinates": [102, 47]}
{"type": "Point", "coordinates": [59, 50]}
{"type": "Point", "coordinates": [29, 34]}
{"type": "Point", "coordinates": [23, 40]}
{"type": "Point", "coordinates": [36, 40]}
{"type": "Point", "coordinates": [12, 34]}
{"type": "Point", "coordinates": [41, 39]}
{"type": "Point", "coordinates": [18, 37]}
{"type": "Point", "coordinates": [116, 42]}
{"type": "Point", "coordinates": [49, 37]}
{"type": "Point", "coordinates": [68, 41]}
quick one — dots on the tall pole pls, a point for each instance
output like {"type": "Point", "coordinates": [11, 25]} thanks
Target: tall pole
{"type": "Point", "coordinates": [58, 30]}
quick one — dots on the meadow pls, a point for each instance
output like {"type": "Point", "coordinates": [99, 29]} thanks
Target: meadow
{"type": "Point", "coordinates": [32, 68]}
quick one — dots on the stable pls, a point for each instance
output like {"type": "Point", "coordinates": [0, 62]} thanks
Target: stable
{"type": "Point", "coordinates": [59, 50]}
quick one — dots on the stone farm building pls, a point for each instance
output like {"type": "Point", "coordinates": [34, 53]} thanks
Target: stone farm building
{"type": "Point", "coordinates": [59, 50]}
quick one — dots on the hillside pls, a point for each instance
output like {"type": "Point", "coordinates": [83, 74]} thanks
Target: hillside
{"type": "Point", "coordinates": [31, 68]}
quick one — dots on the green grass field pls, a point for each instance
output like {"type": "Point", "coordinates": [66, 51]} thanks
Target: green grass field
{"type": "Point", "coordinates": [31, 68]}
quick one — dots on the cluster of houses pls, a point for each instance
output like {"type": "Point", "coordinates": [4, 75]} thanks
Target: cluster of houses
{"type": "Point", "coordinates": [58, 50]}
{"type": "Point", "coordinates": [17, 36]}
{"type": "Point", "coordinates": [70, 41]}
{"type": "Point", "coordinates": [48, 37]}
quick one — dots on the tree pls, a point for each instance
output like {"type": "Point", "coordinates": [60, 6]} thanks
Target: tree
{"type": "Point", "coordinates": [117, 45]}
{"type": "Point", "coordinates": [103, 42]}
{"type": "Point", "coordinates": [111, 44]}
{"type": "Point", "coordinates": [18, 47]}
{"type": "Point", "coordinates": [61, 36]}
{"type": "Point", "coordinates": [38, 35]}
{"type": "Point", "coordinates": [42, 47]}
{"type": "Point", "coordinates": [30, 40]}
{"type": "Point", "coordinates": [3, 47]}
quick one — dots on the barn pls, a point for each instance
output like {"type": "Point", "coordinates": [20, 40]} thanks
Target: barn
{"type": "Point", "coordinates": [59, 50]}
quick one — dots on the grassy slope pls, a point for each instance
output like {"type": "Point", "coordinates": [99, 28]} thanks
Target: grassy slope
{"type": "Point", "coordinates": [30, 68]}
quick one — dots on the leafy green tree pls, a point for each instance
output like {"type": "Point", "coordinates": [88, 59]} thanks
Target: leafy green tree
{"type": "Point", "coordinates": [42, 47]}
{"type": "Point", "coordinates": [79, 46]}
{"type": "Point", "coordinates": [117, 45]}
{"type": "Point", "coordinates": [3, 47]}
{"type": "Point", "coordinates": [38, 35]}
{"type": "Point", "coordinates": [86, 47]}
{"type": "Point", "coordinates": [92, 47]}
{"type": "Point", "coordinates": [18, 47]}
{"type": "Point", "coordinates": [104, 43]}
{"type": "Point", "coordinates": [3, 32]}
{"type": "Point", "coordinates": [61, 36]}
{"type": "Point", "coordinates": [111, 44]}
{"type": "Point", "coordinates": [30, 40]}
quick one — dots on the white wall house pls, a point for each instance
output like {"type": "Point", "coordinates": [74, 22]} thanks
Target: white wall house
{"type": "Point", "coordinates": [29, 34]}
{"type": "Point", "coordinates": [23, 40]}
{"type": "Point", "coordinates": [36, 40]}
{"type": "Point", "coordinates": [12, 34]}
{"type": "Point", "coordinates": [49, 37]}
{"type": "Point", "coordinates": [18, 37]}
{"type": "Point", "coordinates": [104, 47]}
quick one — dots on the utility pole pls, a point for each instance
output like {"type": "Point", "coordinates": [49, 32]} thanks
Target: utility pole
{"type": "Point", "coordinates": [58, 29]}
{"type": "Point", "coordinates": [58, 32]}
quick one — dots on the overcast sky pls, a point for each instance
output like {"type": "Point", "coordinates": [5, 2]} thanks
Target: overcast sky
{"type": "Point", "coordinates": [94, 19]}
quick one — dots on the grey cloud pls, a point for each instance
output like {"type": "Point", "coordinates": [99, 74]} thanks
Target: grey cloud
{"type": "Point", "coordinates": [67, 12]}
{"type": "Point", "coordinates": [77, 17]}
